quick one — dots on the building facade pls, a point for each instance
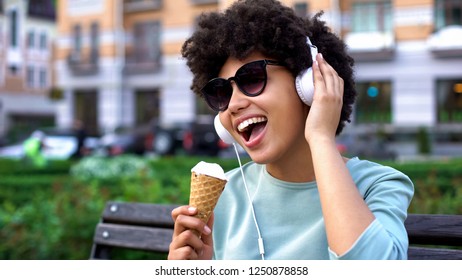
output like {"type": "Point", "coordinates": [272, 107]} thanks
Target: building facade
{"type": "Point", "coordinates": [118, 63]}
{"type": "Point", "coordinates": [408, 55]}
{"type": "Point", "coordinates": [27, 30]}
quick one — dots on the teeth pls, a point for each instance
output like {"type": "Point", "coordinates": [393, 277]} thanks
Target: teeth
{"type": "Point", "coordinates": [243, 125]}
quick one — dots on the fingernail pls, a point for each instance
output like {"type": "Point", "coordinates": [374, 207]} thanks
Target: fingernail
{"type": "Point", "coordinates": [320, 55]}
{"type": "Point", "coordinates": [207, 230]}
{"type": "Point", "coordinates": [192, 210]}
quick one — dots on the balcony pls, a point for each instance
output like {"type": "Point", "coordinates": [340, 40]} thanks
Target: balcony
{"type": "Point", "coordinates": [371, 46]}
{"type": "Point", "coordinates": [204, 2]}
{"type": "Point", "coordinates": [135, 65]}
{"type": "Point", "coordinates": [81, 65]}
{"type": "Point", "coordinates": [133, 6]}
{"type": "Point", "coordinates": [446, 42]}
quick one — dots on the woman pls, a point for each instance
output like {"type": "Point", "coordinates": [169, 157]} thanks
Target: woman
{"type": "Point", "coordinates": [305, 201]}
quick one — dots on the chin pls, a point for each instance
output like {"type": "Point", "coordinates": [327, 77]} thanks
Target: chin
{"type": "Point", "coordinates": [259, 157]}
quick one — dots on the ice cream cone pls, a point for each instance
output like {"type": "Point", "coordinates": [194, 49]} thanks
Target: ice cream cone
{"type": "Point", "coordinates": [204, 194]}
{"type": "Point", "coordinates": [207, 183]}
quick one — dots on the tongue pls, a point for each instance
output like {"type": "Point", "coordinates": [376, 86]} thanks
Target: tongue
{"type": "Point", "coordinates": [257, 129]}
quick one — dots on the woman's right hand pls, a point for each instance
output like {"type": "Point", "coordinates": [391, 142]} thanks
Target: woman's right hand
{"type": "Point", "coordinates": [186, 244]}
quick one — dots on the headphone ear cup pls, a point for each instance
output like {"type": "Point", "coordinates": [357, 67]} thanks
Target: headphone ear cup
{"type": "Point", "coordinates": [224, 135]}
{"type": "Point", "coordinates": [304, 81]}
{"type": "Point", "coordinates": [305, 86]}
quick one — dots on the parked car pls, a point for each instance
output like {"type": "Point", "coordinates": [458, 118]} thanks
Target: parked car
{"type": "Point", "coordinates": [364, 146]}
{"type": "Point", "coordinates": [58, 144]}
{"type": "Point", "coordinates": [202, 139]}
{"type": "Point", "coordinates": [167, 139]}
{"type": "Point", "coordinates": [127, 140]}
{"type": "Point", "coordinates": [197, 137]}
{"type": "Point", "coordinates": [142, 139]}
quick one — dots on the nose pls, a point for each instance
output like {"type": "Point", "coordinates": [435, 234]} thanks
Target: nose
{"type": "Point", "coordinates": [238, 99]}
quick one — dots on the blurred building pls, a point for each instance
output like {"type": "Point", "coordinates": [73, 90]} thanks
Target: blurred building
{"type": "Point", "coordinates": [27, 31]}
{"type": "Point", "coordinates": [408, 55]}
{"type": "Point", "coordinates": [119, 63]}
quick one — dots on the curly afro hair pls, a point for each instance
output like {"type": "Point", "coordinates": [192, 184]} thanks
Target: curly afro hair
{"type": "Point", "coordinates": [272, 29]}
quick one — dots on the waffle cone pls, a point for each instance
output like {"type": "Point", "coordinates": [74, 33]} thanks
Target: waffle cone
{"type": "Point", "coordinates": [204, 194]}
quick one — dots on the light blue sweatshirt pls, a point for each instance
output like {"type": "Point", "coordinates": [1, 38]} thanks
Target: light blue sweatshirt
{"type": "Point", "coordinates": [290, 218]}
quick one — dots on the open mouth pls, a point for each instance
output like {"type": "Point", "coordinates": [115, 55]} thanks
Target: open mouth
{"type": "Point", "coordinates": [251, 128]}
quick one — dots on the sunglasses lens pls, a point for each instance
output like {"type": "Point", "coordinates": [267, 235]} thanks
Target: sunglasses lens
{"type": "Point", "coordinates": [218, 93]}
{"type": "Point", "coordinates": [251, 78]}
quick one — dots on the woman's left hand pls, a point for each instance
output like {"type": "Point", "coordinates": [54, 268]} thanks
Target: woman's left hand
{"type": "Point", "coordinates": [324, 115]}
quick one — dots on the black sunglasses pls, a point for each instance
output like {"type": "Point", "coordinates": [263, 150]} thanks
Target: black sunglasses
{"type": "Point", "coordinates": [250, 79]}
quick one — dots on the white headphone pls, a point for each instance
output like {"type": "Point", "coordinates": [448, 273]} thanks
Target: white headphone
{"type": "Point", "coordinates": [304, 85]}
{"type": "Point", "coordinates": [224, 135]}
{"type": "Point", "coordinates": [304, 81]}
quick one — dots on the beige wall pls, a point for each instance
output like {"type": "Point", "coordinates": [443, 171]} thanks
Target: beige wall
{"type": "Point", "coordinates": [407, 3]}
{"type": "Point", "coordinates": [66, 22]}
{"type": "Point", "coordinates": [182, 14]}
{"type": "Point", "coordinates": [413, 32]}
{"type": "Point", "coordinates": [313, 4]}
{"type": "Point", "coordinates": [174, 14]}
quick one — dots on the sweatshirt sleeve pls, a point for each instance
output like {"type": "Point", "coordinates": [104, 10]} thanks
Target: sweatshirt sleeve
{"type": "Point", "coordinates": [388, 193]}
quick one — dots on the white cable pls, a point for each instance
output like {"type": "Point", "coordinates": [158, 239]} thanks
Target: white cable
{"type": "Point", "coordinates": [261, 247]}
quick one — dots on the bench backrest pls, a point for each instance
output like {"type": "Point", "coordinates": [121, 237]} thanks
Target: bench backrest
{"type": "Point", "coordinates": [442, 232]}
{"type": "Point", "coordinates": [139, 226]}
{"type": "Point", "coordinates": [149, 227]}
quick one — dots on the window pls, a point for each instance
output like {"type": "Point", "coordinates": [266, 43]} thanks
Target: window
{"type": "Point", "coordinates": [448, 12]}
{"type": "Point", "coordinates": [301, 9]}
{"type": "Point", "coordinates": [43, 41]}
{"type": "Point", "coordinates": [1, 34]}
{"type": "Point", "coordinates": [30, 76]}
{"type": "Point", "coordinates": [372, 16]}
{"type": "Point", "coordinates": [141, 5]}
{"type": "Point", "coordinates": [13, 69]}
{"type": "Point", "coordinates": [43, 77]}
{"type": "Point", "coordinates": [200, 2]}
{"type": "Point", "coordinates": [147, 41]}
{"type": "Point", "coordinates": [147, 105]}
{"type": "Point", "coordinates": [42, 9]}
{"type": "Point", "coordinates": [13, 19]}
{"type": "Point", "coordinates": [373, 103]}
{"type": "Point", "coordinates": [77, 38]}
{"type": "Point", "coordinates": [1, 75]}
{"type": "Point", "coordinates": [94, 42]}
{"type": "Point", "coordinates": [31, 39]}
{"type": "Point", "coordinates": [449, 100]}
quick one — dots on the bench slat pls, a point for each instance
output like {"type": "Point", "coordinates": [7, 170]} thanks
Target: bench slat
{"type": "Point", "coordinates": [418, 253]}
{"type": "Point", "coordinates": [434, 229]}
{"type": "Point", "coordinates": [133, 237]}
{"type": "Point", "coordinates": [139, 213]}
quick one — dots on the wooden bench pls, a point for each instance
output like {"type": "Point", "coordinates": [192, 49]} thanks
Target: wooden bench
{"type": "Point", "coordinates": [428, 233]}
{"type": "Point", "coordinates": [149, 227]}
{"type": "Point", "coordinates": [138, 226]}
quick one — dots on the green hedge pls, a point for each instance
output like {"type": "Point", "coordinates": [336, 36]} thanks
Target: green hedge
{"type": "Point", "coordinates": [52, 213]}
{"type": "Point", "coordinates": [438, 185]}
